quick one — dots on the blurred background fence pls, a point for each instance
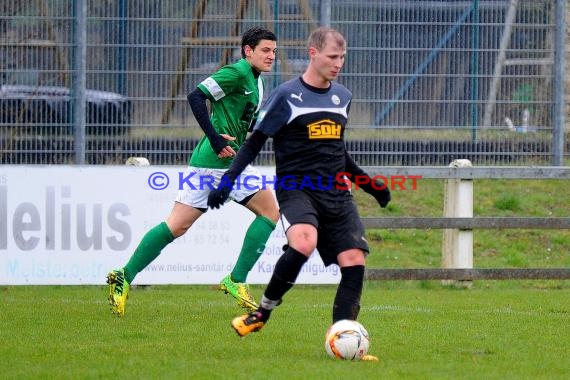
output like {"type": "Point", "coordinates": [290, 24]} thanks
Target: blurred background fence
{"type": "Point", "coordinates": [94, 82]}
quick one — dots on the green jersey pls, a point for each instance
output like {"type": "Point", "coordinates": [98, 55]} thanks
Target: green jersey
{"type": "Point", "coordinates": [235, 92]}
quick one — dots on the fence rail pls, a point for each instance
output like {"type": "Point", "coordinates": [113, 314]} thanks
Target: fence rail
{"type": "Point", "coordinates": [464, 225]}
{"type": "Point", "coordinates": [468, 223]}
{"type": "Point", "coordinates": [474, 172]}
{"type": "Point", "coordinates": [469, 274]}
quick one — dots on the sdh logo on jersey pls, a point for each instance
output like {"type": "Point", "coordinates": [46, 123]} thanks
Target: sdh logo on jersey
{"type": "Point", "coordinates": [324, 129]}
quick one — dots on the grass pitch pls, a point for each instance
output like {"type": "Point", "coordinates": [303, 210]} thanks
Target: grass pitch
{"type": "Point", "coordinates": [420, 330]}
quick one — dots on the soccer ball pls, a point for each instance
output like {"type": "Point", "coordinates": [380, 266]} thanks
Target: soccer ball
{"type": "Point", "coordinates": [347, 340]}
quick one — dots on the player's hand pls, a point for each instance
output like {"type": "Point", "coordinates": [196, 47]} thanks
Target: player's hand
{"type": "Point", "coordinates": [382, 196]}
{"type": "Point", "coordinates": [380, 192]}
{"type": "Point", "coordinates": [227, 151]}
{"type": "Point", "coordinates": [219, 144]}
{"type": "Point", "coordinates": [219, 196]}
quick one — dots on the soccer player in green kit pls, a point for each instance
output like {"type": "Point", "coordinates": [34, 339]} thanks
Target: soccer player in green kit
{"type": "Point", "coordinates": [235, 93]}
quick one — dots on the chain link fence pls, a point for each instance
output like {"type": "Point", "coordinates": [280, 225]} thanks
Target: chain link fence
{"type": "Point", "coordinates": [432, 80]}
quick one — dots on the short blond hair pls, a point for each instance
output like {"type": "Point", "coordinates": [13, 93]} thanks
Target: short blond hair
{"type": "Point", "coordinates": [318, 37]}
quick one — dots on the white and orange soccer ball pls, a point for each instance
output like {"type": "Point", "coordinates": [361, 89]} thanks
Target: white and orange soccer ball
{"type": "Point", "coordinates": [347, 340]}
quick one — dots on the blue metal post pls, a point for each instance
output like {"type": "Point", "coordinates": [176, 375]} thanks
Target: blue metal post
{"type": "Point", "coordinates": [121, 54]}
{"type": "Point", "coordinates": [474, 69]}
{"type": "Point", "coordinates": [559, 78]}
{"type": "Point", "coordinates": [79, 83]}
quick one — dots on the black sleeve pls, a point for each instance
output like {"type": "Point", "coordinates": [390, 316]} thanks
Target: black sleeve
{"type": "Point", "coordinates": [246, 154]}
{"type": "Point", "coordinates": [351, 166]}
{"type": "Point", "coordinates": [197, 100]}
{"type": "Point", "coordinates": [356, 171]}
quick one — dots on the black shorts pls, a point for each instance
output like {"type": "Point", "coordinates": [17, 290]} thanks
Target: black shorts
{"type": "Point", "coordinates": [338, 223]}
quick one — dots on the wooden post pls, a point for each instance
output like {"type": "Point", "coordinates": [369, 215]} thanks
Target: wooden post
{"type": "Point", "coordinates": [457, 250]}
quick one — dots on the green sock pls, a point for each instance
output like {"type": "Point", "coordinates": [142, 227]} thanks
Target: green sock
{"type": "Point", "coordinates": [149, 248]}
{"type": "Point", "coordinates": [253, 246]}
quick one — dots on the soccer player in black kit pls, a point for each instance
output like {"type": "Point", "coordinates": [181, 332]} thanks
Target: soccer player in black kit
{"type": "Point", "coordinates": [306, 117]}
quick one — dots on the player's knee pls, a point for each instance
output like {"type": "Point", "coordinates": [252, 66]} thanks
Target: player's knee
{"type": "Point", "coordinates": [351, 257]}
{"type": "Point", "coordinates": [302, 237]}
{"type": "Point", "coordinates": [303, 246]}
{"type": "Point", "coordinates": [178, 231]}
{"type": "Point", "coordinates": [272, 215]}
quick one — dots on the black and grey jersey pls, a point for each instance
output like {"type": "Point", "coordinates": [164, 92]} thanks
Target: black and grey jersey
{"type": "Point", "coordinates": [307, 125]}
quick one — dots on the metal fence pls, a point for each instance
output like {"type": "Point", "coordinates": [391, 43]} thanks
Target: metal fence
{"type": "Point", "coordinates": [98, 81]}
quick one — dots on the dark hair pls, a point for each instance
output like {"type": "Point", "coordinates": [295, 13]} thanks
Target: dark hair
{"type": "Point", "coordinates": [253, 36]}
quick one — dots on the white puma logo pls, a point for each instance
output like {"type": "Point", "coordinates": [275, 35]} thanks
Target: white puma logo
{"type": "Point", "coordinates": [295, 96]}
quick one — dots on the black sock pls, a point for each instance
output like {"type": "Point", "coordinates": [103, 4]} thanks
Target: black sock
{"type": "Point", "coordinates": [286, 271]}
{"type": "Point", "coordinates": [265, 307]}
{"type": "Point", "coordinates": [347, 301]}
